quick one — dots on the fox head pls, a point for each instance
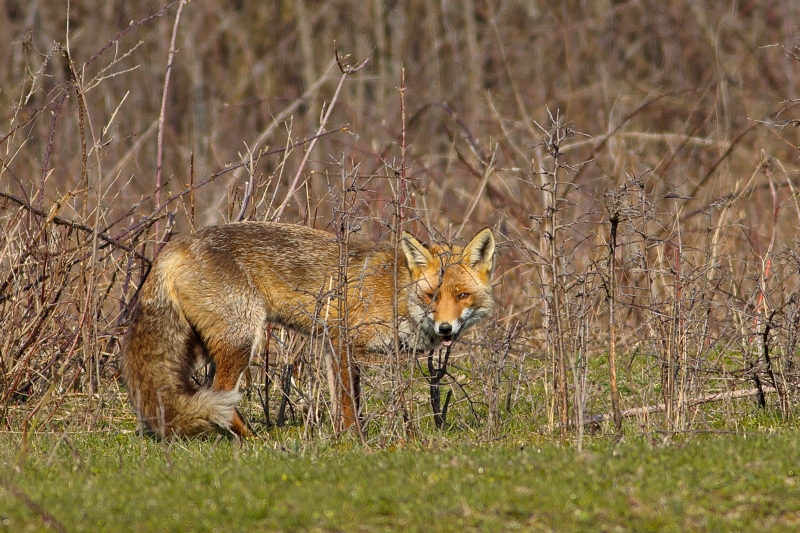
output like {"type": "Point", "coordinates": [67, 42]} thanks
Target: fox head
{"type": "Point", "coordinates": [451, 286]}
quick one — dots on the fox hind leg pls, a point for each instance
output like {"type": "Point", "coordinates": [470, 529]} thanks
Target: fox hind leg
{"type": "Point", "coordinates": [229, 363]}
{"type": "Point", "coordinates": [350, 393]}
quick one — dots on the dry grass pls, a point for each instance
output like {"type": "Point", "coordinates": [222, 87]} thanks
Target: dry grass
{"type": "Point", "coordinates": [553, 123]}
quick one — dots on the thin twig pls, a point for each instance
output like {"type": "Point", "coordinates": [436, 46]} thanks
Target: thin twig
{"type": "Point", "coordinates": [160, 141]}
{"type": "Point", "coordinates": [346, 71]}
{"type": "Point", "coordinates": [47, 518]}
{"type": "Point", "coordinates": [718, 397]}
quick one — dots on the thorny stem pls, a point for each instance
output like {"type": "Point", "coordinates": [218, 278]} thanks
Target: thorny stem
{"type": "Point", "coordinates": [435, 375]}
{"type": "Point", "coordinates": [612, 352]}
{"type": "Point", "coordinates": [398, 215]}
{"type": "Point", "coordinates": [554, 139]}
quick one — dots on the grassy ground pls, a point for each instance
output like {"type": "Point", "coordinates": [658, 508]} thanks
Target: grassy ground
{"type": "Point", "coordinates": [119, 482]}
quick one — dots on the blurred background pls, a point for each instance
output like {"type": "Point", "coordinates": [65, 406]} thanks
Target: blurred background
{"type": "Point", "coordinates": [669, 125]}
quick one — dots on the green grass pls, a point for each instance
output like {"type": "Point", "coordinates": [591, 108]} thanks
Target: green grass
{"type": "Point", "coordinates": [108, 482]}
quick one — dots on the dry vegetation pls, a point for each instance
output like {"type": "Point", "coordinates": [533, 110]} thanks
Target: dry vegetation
{"type": "Point", "coordinates": [636, 159]}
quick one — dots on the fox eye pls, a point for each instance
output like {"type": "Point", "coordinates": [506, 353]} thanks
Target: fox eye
{"type": "Point", "coordinates": [463, 296]}
{"type": "Point", "coordinates": [430, 296]}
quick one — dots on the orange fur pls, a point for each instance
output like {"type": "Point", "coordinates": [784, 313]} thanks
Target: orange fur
{"type": "Point", "coordinates": [210, 295]}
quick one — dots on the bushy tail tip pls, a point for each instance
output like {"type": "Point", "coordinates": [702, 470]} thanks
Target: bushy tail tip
{"type": "Point", "coordinates": [185, 414]}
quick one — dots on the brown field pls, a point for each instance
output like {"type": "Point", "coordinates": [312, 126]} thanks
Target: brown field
{"type": "Point", "coordinates": [669, 126]}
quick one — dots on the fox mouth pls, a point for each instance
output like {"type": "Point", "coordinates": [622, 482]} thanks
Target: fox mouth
{"type": "Point", "coordinates": [447, 340]}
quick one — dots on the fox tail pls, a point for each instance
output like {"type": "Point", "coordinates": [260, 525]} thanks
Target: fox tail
{"type": "Point", "coordinates": [160, 354]}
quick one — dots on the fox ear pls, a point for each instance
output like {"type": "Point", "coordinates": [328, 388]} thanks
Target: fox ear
{"type": "Point", "coordinates": [479, 252]}
{"type": "Point", "coordinates": [417, 255]}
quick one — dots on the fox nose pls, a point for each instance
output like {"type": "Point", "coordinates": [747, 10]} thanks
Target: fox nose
{"type": "Point", "coordinates": [445, 328]}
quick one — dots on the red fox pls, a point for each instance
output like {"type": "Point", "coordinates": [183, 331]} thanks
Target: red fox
{"type": "Point", "coordinates": [210, 295]}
